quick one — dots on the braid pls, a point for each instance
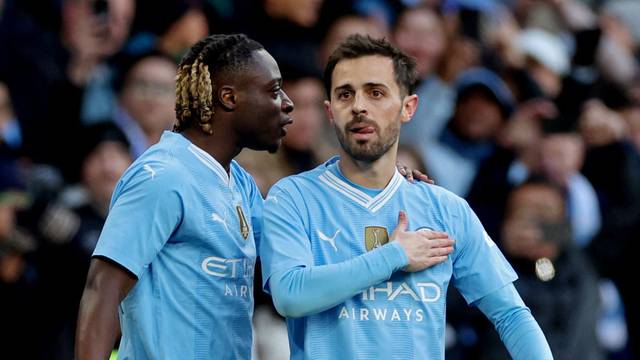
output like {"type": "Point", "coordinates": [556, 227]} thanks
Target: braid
{"type": "Point", "coordinates": [204, 96]}
{"type": "Point", "coordinates": [195, 79]}
{"type": "Point", "coordinates": [182, 98]}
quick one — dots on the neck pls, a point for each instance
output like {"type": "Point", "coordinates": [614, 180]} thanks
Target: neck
{"type": "Point", "coordinates": [152, 136]}
{"type": "Point", "coordinates": [101, 207]}
{"type": "Point", "coordinates": [370, 174]}
{"type": "Point", "coordinates": [217, 145]}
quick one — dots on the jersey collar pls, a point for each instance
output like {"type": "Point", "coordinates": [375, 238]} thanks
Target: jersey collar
{"type": "Point", "coordinates": [210, 162]}
{"type": "Point", "coordinates": [372, 204]}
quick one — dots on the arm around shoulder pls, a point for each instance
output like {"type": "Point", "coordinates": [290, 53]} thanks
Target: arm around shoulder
{"type": "Point", "coordinates": [98, 325]}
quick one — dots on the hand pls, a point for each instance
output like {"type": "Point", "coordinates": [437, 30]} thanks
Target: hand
{"type": "Point", "coordinates": [601, 126]}
{"type": "Point", "coordinates": [411, 174]}
{"type": "Point", "coordinates": [423, 248]}
{"type": "Point", "coordinates": [523, 130]}
{"type": "Point", "coordinates": [524, 239]}
{"type": "Point", "coordinates": [85, 36]}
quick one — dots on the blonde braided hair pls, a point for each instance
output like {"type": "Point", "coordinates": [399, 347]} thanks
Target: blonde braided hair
{"type": "Point", "coordinates": [194, 81]}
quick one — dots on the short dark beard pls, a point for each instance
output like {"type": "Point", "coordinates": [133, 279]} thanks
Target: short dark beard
{"type": "Point", "coordinates": [371, 151]}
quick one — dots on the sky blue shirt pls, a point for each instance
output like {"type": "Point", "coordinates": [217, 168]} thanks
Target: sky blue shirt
{"type": "Point", "coordinates": [186, 230]}
{"type": "Point", "coordinates": [318, 218]}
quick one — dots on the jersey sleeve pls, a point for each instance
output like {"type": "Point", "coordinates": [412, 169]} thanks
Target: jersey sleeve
{"type": "Point", "coordinates": [145, 210]}
{"type": "Point", "coordinates": [479, 267]}
{"type": "Point", "coordinates": [285, 243]}
{"type": "Point", "coordinates": [519, 331]}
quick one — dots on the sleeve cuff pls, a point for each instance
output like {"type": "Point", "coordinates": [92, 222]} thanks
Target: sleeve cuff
{"type": "Point", "coordinates": [395, 256]}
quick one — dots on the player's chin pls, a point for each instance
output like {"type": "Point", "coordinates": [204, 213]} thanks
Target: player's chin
{"type": "Point", "coordinates": [274, 148]}
{"type": "Point", "coordinates": [270, 146]}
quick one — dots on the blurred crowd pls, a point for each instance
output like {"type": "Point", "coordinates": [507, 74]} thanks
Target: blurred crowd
{"type": "Point", "coordinates": [529, 109]}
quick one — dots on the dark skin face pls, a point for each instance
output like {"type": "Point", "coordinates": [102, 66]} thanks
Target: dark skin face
{"type": "Point", "coordinates": [262, 108]}
{"type": "Point", "coordinates": [251, 110]}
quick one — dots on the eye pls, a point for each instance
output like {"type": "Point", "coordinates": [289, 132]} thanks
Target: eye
{"type": "Point", "coordinates": [376, 93]}
{"type": "Point", "coordinates": [344, 95]}
{"type": "Point", "coordinates": [276, 91]}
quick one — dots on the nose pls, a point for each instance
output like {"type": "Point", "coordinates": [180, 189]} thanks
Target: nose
{"type": "Point", "coordinates": [359, 104]}
{"type": "Point", "coordinates": [287, 103]}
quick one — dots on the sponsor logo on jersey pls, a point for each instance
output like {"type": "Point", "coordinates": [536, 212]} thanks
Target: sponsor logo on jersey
{"type": "Point", "coordinates": [378, 301]}
{"type": "Point", "coordinates": [422, 291]}
{"type": "Point", "coordinates": [227, 268]}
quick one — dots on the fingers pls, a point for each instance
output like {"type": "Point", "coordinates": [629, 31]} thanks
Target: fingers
{"type": "Point", "coordinates": [432, 234]}
{"type": "Point", "coordinates": [405, 171]}
{"type": "Point", "coordinates": [437, 239]}
{"type": "Point", "coordinates": [438, 259]}
{"type": "Point", "coordinates": [427, 263]}
{"type": "Point", "coordinates": [410, 177]}
{"type": "Point", "coordinates": [403, 221]}
{"type": "Point", "coordinates": [442, 242]}
{"type": "Point", "coordinates": [441, 251]}
{"type": "Point", "coordinates": [422, 177]}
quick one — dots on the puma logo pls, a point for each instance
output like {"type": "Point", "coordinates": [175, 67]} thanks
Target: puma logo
{"type": "Point", "coordinates": [330, 240]}
{"type": "Point", "coordinates": [217, 218]}
{"type": "Point", "coordinates": [150, 170]}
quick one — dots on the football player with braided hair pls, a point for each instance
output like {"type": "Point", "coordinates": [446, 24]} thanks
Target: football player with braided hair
{"type": "Point", "coordinates": [175, 260]}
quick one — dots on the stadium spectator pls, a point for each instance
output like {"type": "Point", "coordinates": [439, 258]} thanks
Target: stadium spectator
{"type": "Point", "coordinates": [146, 99]}
{"type": "Point", "coordinates": [556, 280]}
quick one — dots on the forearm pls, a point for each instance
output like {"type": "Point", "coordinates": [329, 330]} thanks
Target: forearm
{"type": "Point", "coordinates": [98, 323]}
{"type": "Point", "coordinates": [518, 330]}
{"type": "Point", "coordinates": [303, 291]}
{"type": "Point", "coordinates": [523, 337]}
{"type": "Point", "coordinates": [98, 326]}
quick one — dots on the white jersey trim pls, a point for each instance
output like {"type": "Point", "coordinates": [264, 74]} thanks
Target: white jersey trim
{"type": "Point", "coordinates": [373, 204]}
{"type": "Point", "coordinates": [210, 162]}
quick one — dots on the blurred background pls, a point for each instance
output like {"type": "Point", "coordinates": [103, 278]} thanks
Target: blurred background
{"type": "Point", "coordinates": [529, 109]}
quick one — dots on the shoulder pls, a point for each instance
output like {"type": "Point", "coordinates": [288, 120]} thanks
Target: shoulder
{"type": "Point", "coordinates": [298, 188]}
{"type": "Point", "coordinates": [440, 199]}
{"type": "Point", "coordinates": [437, 193]}
{"type": "Point", "coordinates": [306, 180]}
{"type": "Point", "coordinates": [158, 168]}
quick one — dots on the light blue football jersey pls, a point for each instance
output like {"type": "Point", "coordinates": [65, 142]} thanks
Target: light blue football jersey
{"type": "Point", "coordinates": [319, 217]}
{"type": "Point", "coordinates": [186, 230]}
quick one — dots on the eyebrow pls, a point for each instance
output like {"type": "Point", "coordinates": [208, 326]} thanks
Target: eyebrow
{"type": "Point", "coordinates": [276, 81]}
{"type": "Point", "coordinates": [343, 87]}
{"type": "Point", "coordinates": [366, 85]}
{"type": "Point", "coordinates": [372, 84]}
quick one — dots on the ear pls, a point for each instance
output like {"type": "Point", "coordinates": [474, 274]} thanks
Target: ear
{"type": "Point", "coordinates": [227, 97]}
{"type": "Point", "coordinates": [409, 106]}
{"type": "Point", "coordinates": [327, 109]}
